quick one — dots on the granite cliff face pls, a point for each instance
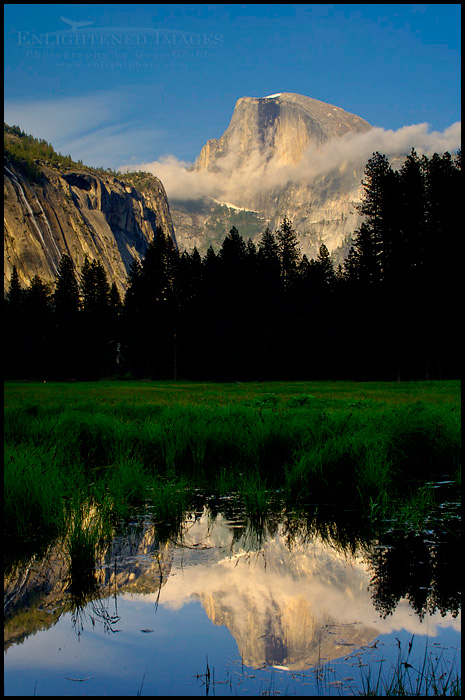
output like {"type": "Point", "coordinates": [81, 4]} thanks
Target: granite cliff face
{"type": "Point", "coordinates": [264, 158]}
{"type": "Point", "coordinates": [78, 211]}
{"type": "Point", "coordinates": [279, 127]}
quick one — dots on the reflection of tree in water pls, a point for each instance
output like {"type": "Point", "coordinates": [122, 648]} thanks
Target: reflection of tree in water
{"type": "Point", "coordinates": [417, 566]}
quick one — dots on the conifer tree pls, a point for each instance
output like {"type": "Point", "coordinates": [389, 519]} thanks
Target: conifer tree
{"type": "Point", "coordinates": [232, 255]}
{"type": "Point", "coordinates": [412, 216]}
{"type": "Point", "coordinates": [288, 252]}
{"type": "Point", "coordinates": [38, 327]}
{"type": "Point", "coordinates": [380, 210]}
{"type": "Point", "coordinates": [363, 265]}
{"type": "Point", "coordinates": [98, 347]}
{"type": "Point", "coordinates": [15, 292]}
{"type": "Point", "coordinates": [15, 336]}
{"type": "Point", "coordinates": [268, 257]}
{"type": "Point", "coordinates": [325, 266]}
{"type": "Point", "coordinates": [66, 300]}
{"type": "Point", "coordinates": [151, 310]}
{"type": "Point", "coordinates": [66, 305]}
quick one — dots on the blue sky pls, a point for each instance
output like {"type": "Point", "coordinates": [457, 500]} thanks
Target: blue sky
{"type": "Point", "coordinates": [138, 82]}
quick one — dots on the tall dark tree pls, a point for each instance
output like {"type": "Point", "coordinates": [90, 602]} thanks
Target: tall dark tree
{"type": "Point", "coordinates": [412, 213]}
{"type": "Point", "coordinates": [98, 348]}
{"type": "Point", "coordinates": [66, 299]}
{"type": "Point", "coordinates": [151, 310]}
{"type": "Point", "coordinates": [441, 273]}
{"type": "Point", "coordinates": [66, 305]}
{"type": "Point", "coordinates": [289, 253]}
{"type": "Point", "coordinates": [15, 294]}
{"type": "Point", "coordinates": [39, 327]}
{"type": "Point", "coordinates": [324, 267]}
{"type": "Point", "coordinates": [363, 265]}
{"type": "Point", "coordinates": [15, 338]}
{"type": "Point", "coordinates": [269, 263]}
{"type": "Point", "coordinates": [380, 210]}
{"type": "Point", "coordinates": [190, 334]}
{"type": "Point", "coordinates": [231, 322]}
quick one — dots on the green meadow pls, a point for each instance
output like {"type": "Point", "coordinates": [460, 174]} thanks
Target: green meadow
{"type": "Point", "coordinates": [118, 445]}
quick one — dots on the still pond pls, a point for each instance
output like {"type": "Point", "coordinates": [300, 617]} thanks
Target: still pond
{"type": "Point", "coordinates": [222, 605]}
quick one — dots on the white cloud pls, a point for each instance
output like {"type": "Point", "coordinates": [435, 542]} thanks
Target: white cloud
{"type": "Point", "coordinates": [105, 128]}
{"type": "Point", "coordinates": [256, 174]}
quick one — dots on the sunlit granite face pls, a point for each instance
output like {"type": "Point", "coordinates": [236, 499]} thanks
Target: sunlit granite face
{"type": "Point", "coordinates": [81, 214]}
{"type": "Point", "coordinates": [284, 155]}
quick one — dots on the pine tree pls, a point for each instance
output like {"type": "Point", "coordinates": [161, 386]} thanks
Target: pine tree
{"type": "Point", "coordinates": [15, 337]}
{"type": "Point", "coordinates": [441, 274]}
{"type": "Point", "coordinates": [288, 252]}
{"type": "Point", "coordinates": [95, 290]}
{"type": "Point", "coordinates": [151, 311]}
{"type": "Point", "coordinates": [412, 209]}
{"type": "Point", "coordinates": [380, 210]}
{"type": "Point", "coordinates": [15, 292]}
{"type": "Point", "coordinates": [325, 266]}
{"type": "Point", "coordinates": [96, 322]}
{"type": "Point", "coordinates": [39, 326]}
{"type": "Point", "coordinates": [363, 265]}
{"type": "Point", "coordinates": [66, 305]}
{"type": "Point", "coordinates": [232, 254]}
{"type": "Point", "coordinates": [66, 298]}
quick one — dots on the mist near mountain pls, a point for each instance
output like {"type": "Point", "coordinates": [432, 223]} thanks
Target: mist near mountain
{"type": "Point", "coordinates": [183, 181]}
{"type": "Point", "coordinates": [285, 155]}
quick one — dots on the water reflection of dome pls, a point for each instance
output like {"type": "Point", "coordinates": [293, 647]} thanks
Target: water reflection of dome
{"type": "Point", "coordinates": [288, 601]}
{"type": "Point", "coordinates": [284, 607]}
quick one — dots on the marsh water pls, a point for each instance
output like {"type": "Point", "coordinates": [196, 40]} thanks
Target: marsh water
{"type": "Point", "coordinates": [222, 604]}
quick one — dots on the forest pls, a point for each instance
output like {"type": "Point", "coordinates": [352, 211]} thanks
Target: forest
{"type": "Point", "coordinates": [264, 311]}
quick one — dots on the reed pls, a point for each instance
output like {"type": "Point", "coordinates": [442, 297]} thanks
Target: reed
{"type": "Point", "coordinates": [369, 447]}
{"type": "Point", "coordinates": [427, 675]}
{"type": "Point", "coordinates": [169, 500]}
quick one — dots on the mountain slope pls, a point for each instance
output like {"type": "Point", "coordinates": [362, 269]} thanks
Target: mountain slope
{"type": "Point", "coordinates": [53, 206]}
{"type": "Point", "coordinates": [270, 162]}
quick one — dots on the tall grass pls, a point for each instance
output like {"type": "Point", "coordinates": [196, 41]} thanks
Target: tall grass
{"type": "Point", "coordinates": [366, 447]}
{"type": "Point", "coordinates": [429, 675]}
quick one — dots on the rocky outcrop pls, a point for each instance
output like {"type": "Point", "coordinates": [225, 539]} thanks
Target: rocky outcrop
{"type": "Point", "coordinates": [78, 212]}
{"type": "Point", "coordinates": [279, 127]}
{"type": "Point", "coordinates": [264, 162]}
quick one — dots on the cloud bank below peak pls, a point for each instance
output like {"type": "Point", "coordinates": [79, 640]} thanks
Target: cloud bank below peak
{"type": "Point", "coordinates": [183, 181]}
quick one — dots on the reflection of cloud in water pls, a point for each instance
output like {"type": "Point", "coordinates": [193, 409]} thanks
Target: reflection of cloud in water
{"type": "Point", "coordinates": [284, 606]}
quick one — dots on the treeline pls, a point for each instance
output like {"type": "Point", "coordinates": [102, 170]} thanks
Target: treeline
{"type": "Point", "coordinates": [252, 312]}
{"type": "Point", "coordinates": [26, 151]}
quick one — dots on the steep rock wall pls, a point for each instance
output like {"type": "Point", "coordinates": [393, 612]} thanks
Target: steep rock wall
{"type": "Point", "coordinates": [258, 159]}
{"type": "Point", "coordinates": [78, 212]}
